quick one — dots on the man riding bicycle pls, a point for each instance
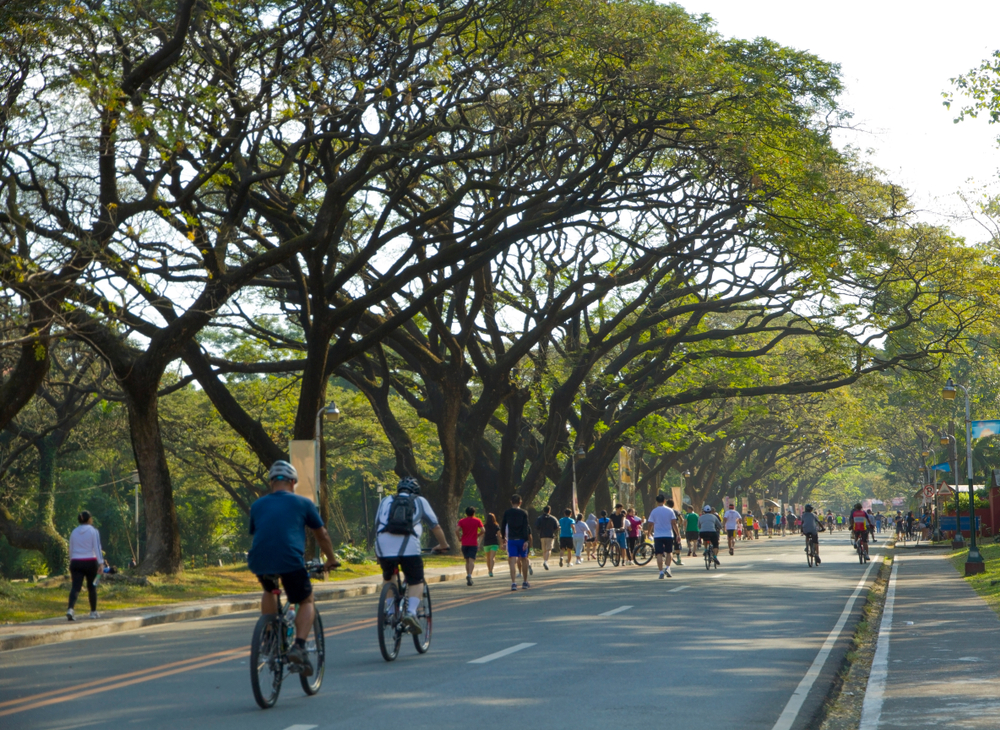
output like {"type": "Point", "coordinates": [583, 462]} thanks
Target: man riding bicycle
{"type": "Point", "coordinates": [811, 527]}
{"type": "Point", "coordinates": [860, 522]}
{"type": "Point", "coordinates": [277, 523]}
{"type": "Point", "coordinates": [709, 525]}
{"type": "Point", "coordinates": [398, 527]}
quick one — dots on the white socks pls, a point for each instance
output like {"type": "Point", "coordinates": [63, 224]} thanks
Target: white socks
{"type": "Point", "coordinates": [414, 604]}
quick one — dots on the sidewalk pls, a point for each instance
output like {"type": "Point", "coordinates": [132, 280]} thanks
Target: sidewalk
{"type": "Point", "coordinates": [941, 668]}
{"type": "Point", "coordinates": [50, 631]}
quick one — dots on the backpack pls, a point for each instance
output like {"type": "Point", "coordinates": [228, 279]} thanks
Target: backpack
{"type": "Point", "coordinates": [403, 515]}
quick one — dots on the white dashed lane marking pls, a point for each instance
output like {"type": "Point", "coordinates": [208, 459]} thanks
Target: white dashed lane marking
{"type": "Point", "coordinates": [677, 589]}
{"type": "Point", "coordinates": [612, 612]}
{"type": "Point", "coordinates": [510, 650]}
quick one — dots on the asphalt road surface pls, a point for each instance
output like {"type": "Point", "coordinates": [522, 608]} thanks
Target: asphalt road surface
{"type": "Point", "coordinates": [754, 644]}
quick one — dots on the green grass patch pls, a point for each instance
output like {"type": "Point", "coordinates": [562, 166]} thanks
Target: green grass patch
{"type": "Point", "coordinates": [47, 599]}
{"type": "Point", "coordinates": [986, 584]}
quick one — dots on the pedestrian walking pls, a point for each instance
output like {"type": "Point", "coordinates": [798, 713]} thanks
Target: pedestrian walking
{"type": "Point", "coordinates": [548, 527]}
{"type": "Point", "coordinates": [470, 531]}
{"type": "Point", "coordinates": [591, 542]}
{"type": "Point", "coordinates": [662, 523]}
{"type": "Point", "coordinates": [516, 535]}
{"type": "Point", "coordinates": [581, 531]}
{"type": "Point", "coordinates": [633, 529]}
{"type": "Point", "coordinates": [691, 531]}
{"type": "Point", "coordinates": [566, 544]}
{"type": "Point", "coordinates": [491, 541]}
{"type": "Point", "coordinates": [769, 522]}
{"type": "Point", "coordinates": [85, 561]}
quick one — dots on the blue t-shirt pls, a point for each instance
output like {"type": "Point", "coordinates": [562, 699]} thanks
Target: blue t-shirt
{"type": "Point", "coordinates": [566, 526]}
{"type": "Point", "coordinates": [277, 523]}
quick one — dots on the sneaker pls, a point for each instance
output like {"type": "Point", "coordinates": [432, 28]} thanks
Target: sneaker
{"type": "Point", "coordinates": [818, 561]}
{"type": "Point", "coordinates": [560, 562]}
{"type": "Point", "coordinates": [526, 584]}
{"type": "Point", "coordinates": [95, 614]}
{"type": "Point", "coordinates": [513, 586]}
{"type": "Point", "coordinates": [546, 565]}
{"type": "Point", "coordinates": [70, 614]}
{"type": "Point", "coordinates": [716, 561]}
{"type": "Point", "coordinates": [579, 562]}
{"type": "Point", "coordinates": [667, 573]}
{"type": "Point", "coordinates": [297, 656]}
{"type": "Point", "coordinates": [731, 552]}
{"type": "Point", "coordinates": [531, 571]}
{"type": "Point", "coordinates": [661, 575]}
{"type": "Point", "coordinates": [410, 622]}
{"type": "Point", "coordinates": [678, 562]}
{"type": "Point", "coordinates": [491, 575]}
{"type": "Point", "coordinates": [468, 580]}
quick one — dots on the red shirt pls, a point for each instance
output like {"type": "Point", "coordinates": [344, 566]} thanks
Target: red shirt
{"type": "Point", "coordinates": [860, 520]}
{"type": "Point", "coordinates": [470, 527]}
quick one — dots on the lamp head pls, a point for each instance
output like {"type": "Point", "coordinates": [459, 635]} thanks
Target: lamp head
{"type": "Point", "coordinates": [687, 473]}
{"type": "Point", "coordinates": [949, 391]}
{"type": "Point", "coordinates": [925, 454]}
{"type": "Point", "coordinates": [580, 452]}
{"type": "Point", "coordinates": [331, 412]}
{"type": "Point", "coordinates": [944, 441]}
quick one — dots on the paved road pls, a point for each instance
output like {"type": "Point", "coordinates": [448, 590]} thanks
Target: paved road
{"type": "Point", "coordinates": [707, 649]}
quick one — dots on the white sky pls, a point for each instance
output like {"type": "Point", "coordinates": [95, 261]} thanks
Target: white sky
{"type": "Point", "coordinates": [896, 59]}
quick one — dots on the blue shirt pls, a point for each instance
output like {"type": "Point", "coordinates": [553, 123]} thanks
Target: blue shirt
{"type": "Point", "coordinates": [277, 523]}
{"type": "Point", "coordinates": [566, 526]}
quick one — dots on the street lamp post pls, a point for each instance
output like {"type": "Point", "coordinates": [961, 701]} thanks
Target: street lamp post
{"type": "Point", "coordinates": [134, 477]}
{"type": "Point", "coordinates": [974, 562]}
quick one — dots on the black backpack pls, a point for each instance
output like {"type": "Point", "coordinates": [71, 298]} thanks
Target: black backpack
{"type": "Point", "coordinates": [403, 515]}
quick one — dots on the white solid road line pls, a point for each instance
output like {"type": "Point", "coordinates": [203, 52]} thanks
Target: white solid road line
{"type": "Point", "coordinates": [871, 710]}
{"type": "Point", "coordinates": [301, 727]}
{"type": "Point", "coordinates": [678, 588]}
{"type": "Point", "coordinates": [497, 655]}
{"type": "Point", "coordinates": [620, 609]}
{"type": "Point", "coordinates": [791, 711]}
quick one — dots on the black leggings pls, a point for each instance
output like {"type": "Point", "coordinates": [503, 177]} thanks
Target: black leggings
{"type": "Point", "coordinates": [81, 569]}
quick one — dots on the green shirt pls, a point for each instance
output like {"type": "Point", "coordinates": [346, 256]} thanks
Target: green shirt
{"type": "Point", "coordinates": [692, 521]}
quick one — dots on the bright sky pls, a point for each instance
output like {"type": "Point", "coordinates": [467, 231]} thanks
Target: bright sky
{"type": "Point", "coordinates": [896, 59]}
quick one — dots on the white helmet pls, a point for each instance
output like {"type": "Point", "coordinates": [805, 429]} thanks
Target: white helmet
{"type": "Point", "coordinates": [707, 508]}
{"type": "Point", "coordinates": [282, 470]}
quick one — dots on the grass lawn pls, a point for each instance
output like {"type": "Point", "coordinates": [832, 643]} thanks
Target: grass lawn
{"type": "Point", "coordinates": [47, 598]}
{"type": "Point", "coordinates": [983, 583]}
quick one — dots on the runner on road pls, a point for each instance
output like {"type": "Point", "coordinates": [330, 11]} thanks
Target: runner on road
{"type": "Point", "coordinates": [581, 531]}
{"type": "Point", "coordinates": [548, 527]}
{"type": "Point", "coordinates": [769, 522]}
{"type": "Point", "coordinates": [662, 523]}
{"type": "Point", "coordinates": [491, 541]}
{"type": "Point", "coordinates": [516, 533]}
{"type": "Point", "coordinates": [470, 530]}
{"type": "Point", "coordinates": [566, 524]}
{"type": "Point", "coordinates": [691, 531]}
{"type": "Point", "coordinates": [731, 518]}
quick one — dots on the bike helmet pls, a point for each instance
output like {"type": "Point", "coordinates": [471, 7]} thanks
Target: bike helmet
{"type": "Point", "coordinates": [282, 470]}
{"type": "Point", "coordinates": [408, 484]}
{"type": "Point", "coordinates": [707, 508]}
{"type": "Point", "coordinates": [809, 508]}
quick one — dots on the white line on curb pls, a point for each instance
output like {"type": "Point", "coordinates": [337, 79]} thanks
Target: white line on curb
{"type": "Point", "coordinates": [798, 698]}
{"type": "Point", "coordinates": [871, 710]}
{"type": "Point", "coordinates": [620, 609]}
{"type": "Point", "coordinates": [497, 655]}
{"type": "Point", "coordinates": [678, 588]}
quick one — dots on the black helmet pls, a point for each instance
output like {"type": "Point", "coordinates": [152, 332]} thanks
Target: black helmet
{"type": "Point", "coordinates": [408, 484]}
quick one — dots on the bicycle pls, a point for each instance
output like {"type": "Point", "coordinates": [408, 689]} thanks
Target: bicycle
{"type": "Point", "coordinates": [810, 550]}
{"type": "Point", "coordinates": [609, 550]}
{"type": "Point", "coordinates": [862, 547]}
{"type": "Point", "coordinates": [643, 552]}
{"type": "Point", "coordinates": [390, 618]}
{"type": "Point", "coordinates": [709, 557]}
{"type": "Point", "coordinates": [273, 636]}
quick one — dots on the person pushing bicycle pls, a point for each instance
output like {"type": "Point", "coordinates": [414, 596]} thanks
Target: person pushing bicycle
{"type": "Point", "coordinates": [398, 527]}
{"type": "Point", "coordinates": [277, 523]}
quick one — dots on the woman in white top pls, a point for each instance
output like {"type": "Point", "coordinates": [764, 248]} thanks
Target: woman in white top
{"type": "Point", "coordinates": [580, 532]}
{"type": "Point", "coordinates": [85, 560]}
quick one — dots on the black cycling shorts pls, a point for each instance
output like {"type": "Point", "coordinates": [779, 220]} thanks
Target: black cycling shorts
{"type": "Point", "coordinates": [296, 584]}
{"type": "Point", "coordinates": [411, 565]}
{"type": "Point", "coordinates": [712, 537]}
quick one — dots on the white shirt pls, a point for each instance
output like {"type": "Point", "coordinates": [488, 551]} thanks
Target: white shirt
{"type": "Point", "coordinates": [662, 519]}
{"type": "Point", "coordinates": [731, 517]}
{"type": "Point", "coordinates": [388, 545]}
{"type": "Point", "coordinates": [85, 544]}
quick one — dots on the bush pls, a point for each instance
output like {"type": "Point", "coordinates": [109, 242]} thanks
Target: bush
{"type": "Point", "coordinates": [352, 554]}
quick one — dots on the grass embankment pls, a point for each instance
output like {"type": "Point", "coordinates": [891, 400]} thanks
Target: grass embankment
{"type": "Point", "coordinates": [985, 584]}
{"type": "Point", "coordinates": [47, 598]}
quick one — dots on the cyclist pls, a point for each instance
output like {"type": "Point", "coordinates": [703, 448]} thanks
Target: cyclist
{"type": "Point", "coordinates": [731, 518]}
{"type": "Point", "coordinates": [662, 523]}
{"type": "Point", "coordinates": [860, 522]}
{"type": "Point", "coordinates": [829, 520]}
{"type": "Point", "coordinates": [398, 527]}
{"type": "Point", "coordinates": [277, 523]}
{"type": "Point", "coordinates": [709, 525]}
{"type": "Point", "coordinates": [811, 527]}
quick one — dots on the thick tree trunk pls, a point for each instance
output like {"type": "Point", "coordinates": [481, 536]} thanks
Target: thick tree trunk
{"type": "Point", "coordinates": [163, 544]}
{"type": "Point", "coordinates": [56, 550]}
{"type": "Point", "coordinates": [46, 541]}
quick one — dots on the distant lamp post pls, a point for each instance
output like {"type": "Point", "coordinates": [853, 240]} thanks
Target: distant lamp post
{"type": "Point", "coordinates": [134, 478]}
{"type": "Point", "coordinates": [947, 439]}
{"type": "Point", "coordinates": [974, 562]}
{"type": "Point", "coordinates": [685, 475]}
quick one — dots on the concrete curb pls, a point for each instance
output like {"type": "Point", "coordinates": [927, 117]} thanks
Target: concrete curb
{"type": "Point", "coordinates": [37, 634]}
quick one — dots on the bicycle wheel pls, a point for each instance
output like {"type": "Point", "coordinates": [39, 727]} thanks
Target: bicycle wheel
{"type": "Point", "coordinates": [389, 634]}
{"type": "Point", "coordinates": [708, 559]}
{"type": "Point", "coordinates": [809, 553]}
{"type": "Point", "coordinates": [423, 641]}
{"type": "Point", "coordinates": [266, 666]}
{"type": "Point", "coordinates": [602, 555]}
{"type": "Point", "coordinates": [616, 554]}
{"type": "Point", "coordinates": [643, 554]}
{"type": "Point", "coordinates": [861, 553]}
{"type": "Point", "coordinates": [316, 652]}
